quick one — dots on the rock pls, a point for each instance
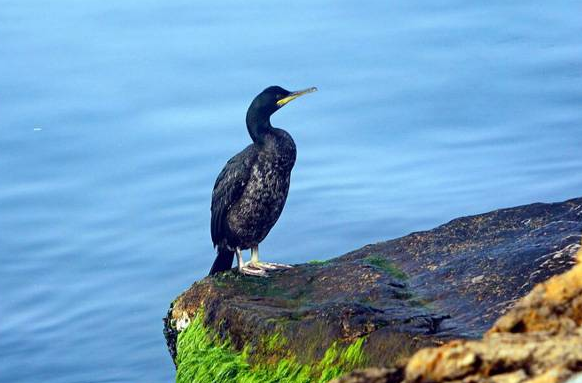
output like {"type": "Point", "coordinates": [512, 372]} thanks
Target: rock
{"type": "Point", "coordinates": [372, 375]}
{"type": "Point", "coordinates": [474, 268]}
{"type": "Point", "coordinates": [377, 305]}
{"type": "Point", "coordinates": [538, 340]}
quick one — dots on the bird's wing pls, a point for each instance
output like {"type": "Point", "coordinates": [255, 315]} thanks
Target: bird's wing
{"type": "Point", "coordinates": [228, 189]}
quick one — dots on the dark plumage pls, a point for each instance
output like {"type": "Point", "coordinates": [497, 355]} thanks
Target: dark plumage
{"type": "Point", "coordinates": [251, 190]}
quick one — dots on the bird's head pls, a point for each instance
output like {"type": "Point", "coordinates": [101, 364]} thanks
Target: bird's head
{"type": "Point", "coordinates": [273, 98]}
{"type": "Point", "coordinates": [265, 104]}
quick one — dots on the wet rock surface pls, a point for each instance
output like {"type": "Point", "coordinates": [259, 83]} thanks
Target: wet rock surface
{"type": "Point", "coordinates": [416, 291]}
{"type": "Point", "coordinates": [538, 340]}
{"type": "Point", "coordinates": [474, 268]}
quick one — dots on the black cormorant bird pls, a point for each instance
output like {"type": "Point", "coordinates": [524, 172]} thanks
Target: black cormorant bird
{"type": "Point", "coordinates": [251, 190]}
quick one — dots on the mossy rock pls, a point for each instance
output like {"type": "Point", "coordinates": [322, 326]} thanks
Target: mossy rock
{"type": "Point", "coordinates": [203, 356]}
{"type": "Point", "coordinates": [371, 307]}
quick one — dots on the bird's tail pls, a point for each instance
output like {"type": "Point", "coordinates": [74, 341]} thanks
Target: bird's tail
{"type": "Point", "coordinates": [223, 261]}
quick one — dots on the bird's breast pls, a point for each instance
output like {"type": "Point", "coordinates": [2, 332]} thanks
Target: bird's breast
{"type": "Point", "coordinates": [262, 202]}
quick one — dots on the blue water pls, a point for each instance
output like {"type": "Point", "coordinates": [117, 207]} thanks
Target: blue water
{"type": "Point", "coordinates": [116, 118]}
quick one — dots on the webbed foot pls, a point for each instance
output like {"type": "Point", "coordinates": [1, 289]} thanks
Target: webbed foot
{"type": "Point", "coordinates": [252, 270]}
{"type": "Point", "coordinates": [266, 266]}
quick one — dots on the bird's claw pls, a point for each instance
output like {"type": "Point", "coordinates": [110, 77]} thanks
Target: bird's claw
{"type": "Point", "coordinates": [252, 271]}
{"type": "Point", "coordinates": [268, 266]}
{"type": "Point", "coordinates": [279, 266]}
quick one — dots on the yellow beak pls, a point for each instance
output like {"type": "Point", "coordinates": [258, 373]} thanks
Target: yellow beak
{"type": "Point", "coordinates": [294, 95]}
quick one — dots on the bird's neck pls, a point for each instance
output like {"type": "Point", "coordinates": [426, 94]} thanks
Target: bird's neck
{"type": "Point", "coordinates": [258, 126]}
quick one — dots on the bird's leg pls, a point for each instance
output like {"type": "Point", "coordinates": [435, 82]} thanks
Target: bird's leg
{"type": "Point", "coordinates": [247, 269]}
{"type": "Point", "coordinates": [255, 254]}
{"type": "Point", "coordinates": [255, 263]}
{"type": "Point", "coordinates": [239, 259]}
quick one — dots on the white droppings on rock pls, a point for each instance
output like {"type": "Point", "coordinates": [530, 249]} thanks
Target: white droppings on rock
{"type": "Point", "coordinates": [477, 279]}
{"type": "Point", "coordinates": [183, 322]}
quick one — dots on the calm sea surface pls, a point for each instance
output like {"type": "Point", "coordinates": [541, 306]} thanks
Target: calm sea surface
{"type": "Point", "coordinates": [116, 118]}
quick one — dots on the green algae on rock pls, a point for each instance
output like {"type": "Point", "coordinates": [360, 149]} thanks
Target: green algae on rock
{"type": "Point", "coordinates": [387, 266]}
{"type": "Point", "coordinates": [202, 356]}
